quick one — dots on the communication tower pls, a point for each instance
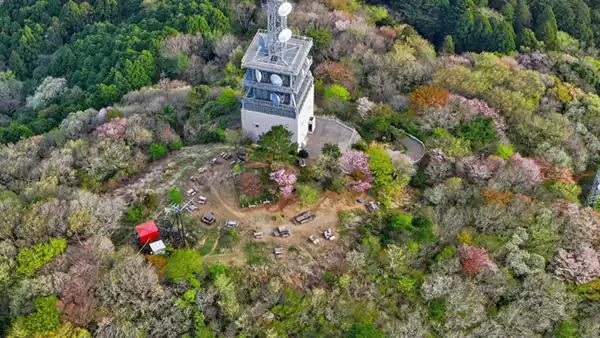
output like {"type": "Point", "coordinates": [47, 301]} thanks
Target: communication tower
{"type": "Point", "coordinates": [278, 82]}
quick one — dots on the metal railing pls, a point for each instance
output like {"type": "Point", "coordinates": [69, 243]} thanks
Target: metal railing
{"type": "Point", "coordinates": [268, 107]}
{"type": "Point", "coordinates": [249, 81]}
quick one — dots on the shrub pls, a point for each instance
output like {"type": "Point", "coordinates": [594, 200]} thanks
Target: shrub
{"type": "Point", "coordinates": [183, 265]}
{"type": "Point", "coordinates": [176, 144]}
{"type": "Point", "coordinates": [428, 97]}
{"type": "Point", "coordinates": [308, 195]}
{"type": "Point", "coordinates": [157, 151]}
{"type": "Point", "coordinates": [303, 153]}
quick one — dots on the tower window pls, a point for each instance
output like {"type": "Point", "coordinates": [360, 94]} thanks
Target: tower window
{"type": "Point", "coordinates": [256, 125]}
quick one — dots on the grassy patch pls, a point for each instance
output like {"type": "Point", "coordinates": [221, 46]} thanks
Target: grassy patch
{"type": "Point", "coordinates": [257, 253]}
{"type": "Point", "coordinates": [229, 238]}
{"type": "Point", "coordinates": [210, 236]}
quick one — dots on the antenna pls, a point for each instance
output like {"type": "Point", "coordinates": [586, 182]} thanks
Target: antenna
{"type": "Point", "coordinates": [277, 12]}
{"type": "Point", "coordinates": [276, 80]}
{"type": "Point", "coordinates": [275, 99]}
{"type": "Point", "coordinates": [285, 35]}
{"type": "Point", "coordinates": [285, 9]}
{"type": "Point", "coordinates": [258, 75]}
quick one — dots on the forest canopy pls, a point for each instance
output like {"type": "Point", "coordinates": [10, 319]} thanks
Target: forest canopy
{"type": "Point", "coordinates": [490, 234]}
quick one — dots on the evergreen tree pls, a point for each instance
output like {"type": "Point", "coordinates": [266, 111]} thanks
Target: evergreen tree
{"type": "Point", "coordinates": [547, 16]}
{"type": "Point", "coordinates": [548, 35]}
{"type": "Point", "coordinates": [508, 11]}
{"type": "Point", "coordinates": [522, 18]}
{"type": "Point", "coordinates": [71, 16]}
{"type": "Point", "coordinates": [565, 17]}
{"type": "Point", "coordinates": [462, 32]}
{"type": "Point", "coordinates": [448, 45]}
{"type": "Point", "coordinates": [503, 38]}
{"type": "Point", "coordinates": [527, 40]}
{"type": "Point", "coordinates": [482, 33]}
{"type": "Point", "coordinates": [547, 28]}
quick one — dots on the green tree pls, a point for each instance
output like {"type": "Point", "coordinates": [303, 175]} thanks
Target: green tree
{"type": "Point", "coordinates": [527, 40]}
{"type": "Point", "coordinates": [381, 166]}
{"type": "Point", "coordinates": [479, 132]}
{"type": "Point", "coordinates": [30, 260]}
{"type": "Point", "coordinates": [365, 330]}
{"type": "Point", "coordinates": [503, 38]}
{"type": "Point", "coordinates": [183, 265]}
{"type": "Point", "coordinates": [175, 196]}
{"type": "Point", "coordinates": [71, 16]}
{"type": "Point", "coordinates": [321, 38]}
{"type": "Point", "coordinates": [14, 133]}
{"type": "Point", "coordinates": [547, 28]}
{"type": "Point", "coordinates": [505, 151]}
{"type": "Point", "coordinates": [157, 151]}
{"type": "Point", "coordinates": [45, 318]}
{"type": "Point", "coordinates": [481, 34]}
{"type": "Point", "coordinates": [336, 92]}
{"type": "Point", "coordinates": [448, 45]}
{"type": "Point", "coordinates": [276, 145]}
{"type": "Point", "coordinates": [523, 17]}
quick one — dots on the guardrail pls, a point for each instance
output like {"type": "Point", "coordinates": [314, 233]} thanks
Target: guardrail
{"type": "Point", "coordinates": [420, 152]}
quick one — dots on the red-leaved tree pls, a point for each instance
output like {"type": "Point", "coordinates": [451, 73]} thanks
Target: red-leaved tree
{"type": "Point", "coordinates": [474, 260]}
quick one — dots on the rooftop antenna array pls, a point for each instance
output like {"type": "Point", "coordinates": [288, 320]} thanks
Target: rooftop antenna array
{"type": "Point", "coordinates": [278, 33]}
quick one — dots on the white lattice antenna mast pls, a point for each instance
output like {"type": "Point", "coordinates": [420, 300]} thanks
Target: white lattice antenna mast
{"type": "Point", "coordinates": [592, 199]}
{"type": "Point", "coordinates": [278, 32]}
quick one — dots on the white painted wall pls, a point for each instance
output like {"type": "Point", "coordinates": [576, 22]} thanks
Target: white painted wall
{"type": "Point", "coordinates": [308, 111]}
{"type": "Point", "coordinates": [265, 122]}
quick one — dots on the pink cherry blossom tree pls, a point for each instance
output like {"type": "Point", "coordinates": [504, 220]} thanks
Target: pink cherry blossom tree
{"type": "Point", "coordinates": [356, 164]}
{"type": "Point", "coordinates": [284, 180]}
{"type": "Point", "coordinates": [114, 130]}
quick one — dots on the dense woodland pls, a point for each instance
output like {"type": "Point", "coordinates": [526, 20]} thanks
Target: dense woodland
{"type": "Point", "coordinates": [487, 236]}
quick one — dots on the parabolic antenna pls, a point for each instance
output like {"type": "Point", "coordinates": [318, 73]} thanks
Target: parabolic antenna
{"type": "Point", "coordinates": [275, 98]}
{"type": "Point", "coordinates": [285, 35]}
{"type": "Point", "coordinates": [257, 75]}
{"type": "Point", "coordinates": [285, 9]}
{"type": "Point", "coordinates": [276, 80]}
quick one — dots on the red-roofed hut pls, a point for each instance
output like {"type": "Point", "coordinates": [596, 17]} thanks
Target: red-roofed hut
{"type": "Point", "coordinates": [147, 232]}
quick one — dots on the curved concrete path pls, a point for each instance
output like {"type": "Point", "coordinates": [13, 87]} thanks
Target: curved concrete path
{"type": "Point", "coordinates": [415, 149]}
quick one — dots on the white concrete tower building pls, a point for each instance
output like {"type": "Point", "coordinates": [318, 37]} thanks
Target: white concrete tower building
{"type": "Point", "coordinates": [279, 84]}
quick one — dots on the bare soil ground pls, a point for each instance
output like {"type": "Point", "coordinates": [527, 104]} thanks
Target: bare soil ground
{"type": "Point", "coordinates": [217, 184]}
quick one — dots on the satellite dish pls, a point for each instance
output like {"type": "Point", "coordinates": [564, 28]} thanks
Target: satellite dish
{"type": "Point", "coordinates": [284, 9]}
{"type": "Point", "coordinates": [285, 35]}
{"type": "Point", "coordinates": [257, 75]}
{"type": "Point", "coordinates": [275, 98]}
{"type": "Point", "coordinates": [276, 80]}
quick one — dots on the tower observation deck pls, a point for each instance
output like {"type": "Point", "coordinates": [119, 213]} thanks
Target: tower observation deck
{"type": "Point", "coordinates": [278, 82]}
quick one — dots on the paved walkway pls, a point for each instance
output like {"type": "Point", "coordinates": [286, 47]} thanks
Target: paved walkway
{"type": "Point", "coordinates": [414, 147]}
